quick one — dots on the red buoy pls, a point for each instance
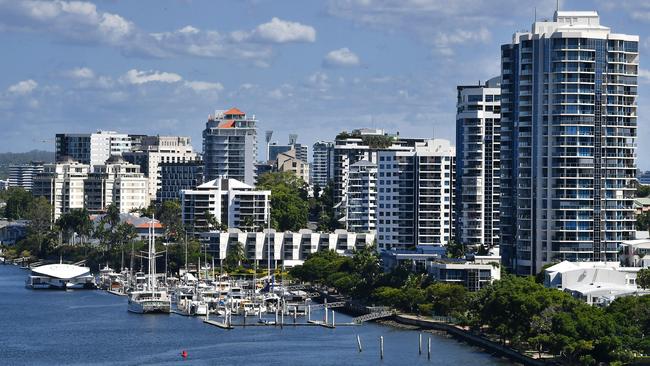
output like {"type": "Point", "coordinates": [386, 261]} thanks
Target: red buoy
{"type": "Point", "coordinates": [184, 354]}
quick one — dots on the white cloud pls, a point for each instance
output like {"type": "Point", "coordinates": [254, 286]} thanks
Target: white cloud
{"type": "Point", "coordinates": [200, 86]}
{"type": "Point", "coordinates": [644, 76]}
{"type": "Point", "coordinates": [82, 22]}
{"type": "Point", "coordinates": [137, 77]}
{"type": "Point", "coordinates": [282, 31]}
{"type": "Point", "coordinates": [442, 24]}
{"type": "Point", "coordinates": [341, 57]}
{"type": "Point", "coordinates": [318, 80]}
{"type": "Point", "coordinates": [23, 88]}
{"type": "Point", "coordinates": [80, 73]}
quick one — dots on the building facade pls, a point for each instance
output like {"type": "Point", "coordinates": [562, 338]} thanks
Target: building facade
{"type": "Point", "coordinates": [116, 182]}
{"type": "Point", "coordinates": [286, 249]}
{"type": "Point", "coordinates": [175, 177]}
{"type": "Point", "coordinates": [416, 196]}
{"type": "Point", "coordinates": [91, 148]}
{"type": "Point", "coordinates": [62, 184]}
{"type": "Point", "coordinates": [231, 202]}
{"type": "Point", "coordinates": [568, 132]}
{"type": "Point", "coordinates": [478, 124]}
{"type": "Point", "coordinates": [156, 150]}
{"type": "Point", "coordinates": [288, 162]}
{"type": "Point", "coordinates": [322, 167]}
{"type": "Point", "coordinates": [230, 146]}
{"type": "Point", "coordinates": [362, 197]}
{"type": "Point", "coordinates": [22, 175]}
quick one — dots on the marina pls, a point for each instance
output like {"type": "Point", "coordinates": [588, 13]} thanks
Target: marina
{"type": "Point", "coordinates": [104, 332]}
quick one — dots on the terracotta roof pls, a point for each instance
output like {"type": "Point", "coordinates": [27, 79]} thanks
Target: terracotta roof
{"type": "Point", "coordinates": [234, 111]}
{"type": "Point", "coordinates": [227, 124]}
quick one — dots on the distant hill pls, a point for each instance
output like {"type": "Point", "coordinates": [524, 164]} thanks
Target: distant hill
{"type": "Point", "coordinates": [10, 158]}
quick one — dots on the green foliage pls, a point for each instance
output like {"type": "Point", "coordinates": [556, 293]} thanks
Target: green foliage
{"type": "Point", "coordinates": [455, 250]}
{"type": "Point", "coordinates": [17, 203]}
{"type": "Point", "coordinates": [75, 221]}
{"type": "Point", "coordinates": [643, 221]}
{"type": "Point", "coordinates": [643, 278]}
{"type": "Point", "coordinates": [235, 256]}
{"type": "Point", "coordinates": [169, 213]}
{"type": "Point", "coordinates": [321, 208]}
{"type": "Point", "coordinates": [447, 299]}
{"type": "Point", "coordinates": [289, 208]}
{"type": "Point", "coordinates": [643, 190]}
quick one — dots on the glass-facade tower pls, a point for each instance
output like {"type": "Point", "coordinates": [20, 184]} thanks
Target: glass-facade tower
{"type": "Point", "coordinates": [568, 131]}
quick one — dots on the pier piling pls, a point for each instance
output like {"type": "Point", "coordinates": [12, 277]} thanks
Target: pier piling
{"type": "Point", "coordinates": [429, 349]}
{"type": "Point", "coordinates": [381, 347]}
{"type": "Point", "coordinates": [420, 344]}
{"type": "Point", "coordinates": [333, 321]}
{"type": "Point", "coordinates": [359, 342]}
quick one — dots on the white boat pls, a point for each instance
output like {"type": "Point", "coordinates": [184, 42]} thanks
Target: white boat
{"type": "Point", "coordinates": [142, 302]}
{"type": "Point", "coordinates": [151, 299]}
{"type": "Point", "coordinates": [60, 276]}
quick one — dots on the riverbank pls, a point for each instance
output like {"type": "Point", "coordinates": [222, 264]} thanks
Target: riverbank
{"type": "Point", "coordinates": [467, 337]}
{"type": "Point", "coordinates": [104, 333]}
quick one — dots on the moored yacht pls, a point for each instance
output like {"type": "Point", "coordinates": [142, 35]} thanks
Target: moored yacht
{"type": "Point", "coordinates": [151, 299]}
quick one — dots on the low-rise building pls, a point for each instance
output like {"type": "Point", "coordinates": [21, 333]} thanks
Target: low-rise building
{"type": "Point", "coordinates": [141, 224]}
{"type": "Point", "coordinates": [287, 249]}
{"type": "Point", "coordinates": [596, 283]}
{"type": "Point", "coordinates": [287, 161]}
{"type": "Point", "coordinates": [641, 205]}
{"type": "Point", "coordinates": [13, 231]}
{"type": "Point", "coordinates": [473, 272]}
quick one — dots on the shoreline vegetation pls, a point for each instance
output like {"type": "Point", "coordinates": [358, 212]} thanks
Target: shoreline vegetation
{"type": "Point", "coordinates": [515, 312]}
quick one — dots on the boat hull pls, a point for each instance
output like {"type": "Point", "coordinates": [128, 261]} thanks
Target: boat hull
{"type": "Point", "coordinates": [150, 306]}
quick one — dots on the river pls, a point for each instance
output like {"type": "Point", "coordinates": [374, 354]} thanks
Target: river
{"type": "Point", "coordinates": [42, 327]}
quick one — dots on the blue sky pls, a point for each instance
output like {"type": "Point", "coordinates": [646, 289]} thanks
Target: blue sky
{"type": "Point", "coordinates": [308, 67]}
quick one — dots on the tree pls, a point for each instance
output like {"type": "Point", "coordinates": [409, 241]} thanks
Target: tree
{"type": "Point", "coordinates": [643, 221]}
{"type": "Point", "coordinates": [643, 278]}
{"type": "Point", "coordinates": [455, 250]}
{"type": "Point", "coordinates": [17, 203]}
{"type": "Point", "coordinates": [169, 215]}
{"type": "Point", "coordinates": [213, 223]}
{"type": "Point", "coordinates": [39, 213]}
{"type": "Point", "coordinates": [289, 208]}
{"type": "Point", "coordinates": [235, 256]}
{"type": "Point", "coordinates": [643, 190]}
{"type": "Point", "coordinates": [447, 299]}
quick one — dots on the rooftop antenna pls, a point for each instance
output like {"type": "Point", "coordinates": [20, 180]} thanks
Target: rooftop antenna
{"type": "Point", "coordinates": [557, 5]}
{"type": "Point", "coordinates": [535, 14]}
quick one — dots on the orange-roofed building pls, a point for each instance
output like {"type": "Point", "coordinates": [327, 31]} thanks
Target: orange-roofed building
{"type": "Point", "coordinates": [230, 146]}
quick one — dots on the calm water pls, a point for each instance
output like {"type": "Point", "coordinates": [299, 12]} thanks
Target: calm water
{"type": "Point", "coordinates": [94, 328]}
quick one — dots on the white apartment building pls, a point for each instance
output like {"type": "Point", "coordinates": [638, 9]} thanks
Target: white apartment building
{"type": "Point", "coordinates": [22, 175]}
{"type": "Point", "coordinates": [230, 201]}
{"type": "Point", "coordinates": [116, 182]}
{"type": "Point", "coordinates": [230, 146]}
{"type": "Point", "coordinates": [478, 123]}
{"type": "Point", "coordinates": [568, 136]}
{"type": "Point", "coordinates": [361, 202]}
{"type": "Point", "coordinates": [62, 184]}
{"type": "Point", "coordinates": [415, 205]}
{"type": "Point", "coordinates": [288, 162]}
{"type": "Point", "coordinates": [91, 148]}
{"type": "Point", "coordinates": [156, 150]}
{"type": "Point", "coordinates": [287, 249]}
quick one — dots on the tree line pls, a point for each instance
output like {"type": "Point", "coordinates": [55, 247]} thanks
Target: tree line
{"type": "Point", "coordinates": [518, 312]}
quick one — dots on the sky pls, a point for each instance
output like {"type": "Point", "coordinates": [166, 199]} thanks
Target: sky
{"type": "Point", "coordinates": [309, 67]}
